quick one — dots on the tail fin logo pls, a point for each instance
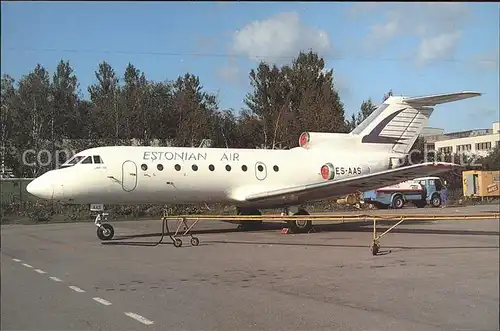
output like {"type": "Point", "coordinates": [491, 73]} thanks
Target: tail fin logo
{"type": "Point", "coordinates": [374, 136]}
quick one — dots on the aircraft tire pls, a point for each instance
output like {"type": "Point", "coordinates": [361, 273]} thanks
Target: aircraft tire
{"type": "Point", "coordinates": [420, 204]}
{"type": "Point", "coordinates": [250, 225]}
{"type": "Point", "coordinates": [300, 226]}
{"type": "Point", "coordinates": [105, 232]}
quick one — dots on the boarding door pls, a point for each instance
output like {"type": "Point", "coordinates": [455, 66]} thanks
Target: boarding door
{"type": "Point", "coordinates": [260, 171]}
{"type": "Point", "coordinates": [129, 176]}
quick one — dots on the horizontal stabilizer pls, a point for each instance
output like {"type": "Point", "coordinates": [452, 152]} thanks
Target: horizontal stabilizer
{"type": "Point", "coordinates": [335, 188]}
{"type": "Point", "coordinates": [432, 100]}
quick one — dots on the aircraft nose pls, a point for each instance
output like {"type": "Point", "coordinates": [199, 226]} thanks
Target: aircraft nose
{"type": "Point", "coordinates": [44, 187]}
{"type": "Point", "coordinates": [40, 188]}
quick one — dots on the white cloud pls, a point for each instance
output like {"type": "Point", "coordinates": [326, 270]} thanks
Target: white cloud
{"type": "Point", "coordinates": [439, 47]}
{"type": "Point", "coordinates": [279, 39]}
{"type": "Point", "coordinates": [437, 26]}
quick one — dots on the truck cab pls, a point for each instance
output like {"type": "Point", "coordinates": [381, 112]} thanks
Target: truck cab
{"type": "Point", "coordinates": [433, 186]}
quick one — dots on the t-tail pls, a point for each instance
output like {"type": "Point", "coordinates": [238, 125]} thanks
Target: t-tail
{"type": "Point", "coordinates": [396, 123]}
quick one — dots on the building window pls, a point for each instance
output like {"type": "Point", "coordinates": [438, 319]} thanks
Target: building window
{"type": "Point", "coordinates": [445, 150]}
{"type": "Point", "coordinates": [483, 146]}
{"type": "Point", "coordinates": [464, 148]}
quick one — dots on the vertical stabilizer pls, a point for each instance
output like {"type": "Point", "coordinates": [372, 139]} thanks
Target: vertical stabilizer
{"type": "Point", "coordinates": [396, 124]}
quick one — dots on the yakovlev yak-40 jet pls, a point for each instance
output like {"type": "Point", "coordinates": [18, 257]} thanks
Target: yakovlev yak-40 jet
{"type": "Point", "coordinates": [323, 166]}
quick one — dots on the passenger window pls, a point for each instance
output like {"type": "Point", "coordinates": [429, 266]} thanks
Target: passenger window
{"type": "Point", "coordinates": [211, 167]}
{"type": "Point", "coordinates": [260, 168]}
{"type": "Point", "coordinates": [244, 168]}
{"type": "Point", "coordinates": [177, 167]}
{"type": "Point", "coordinates": [87, 160]}
{"type": "Point", "coordinates": [276, 168]}
{"type": "Point", "coordinates": [144, 167]}
{"type": "Point", "coordinates": [97, 159]}
{"type": "Point", "coordinates": [159, 167]}
{"type": "Point", "coordinates": [228, 167]}
{"type": "Point", "coordinates": [194, 167]}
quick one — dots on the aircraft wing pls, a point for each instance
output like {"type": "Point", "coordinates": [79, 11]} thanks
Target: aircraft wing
{"type": "Point", "coordinates": [432, 100]}
{"type": "Point", "coordinates": [336, 188]}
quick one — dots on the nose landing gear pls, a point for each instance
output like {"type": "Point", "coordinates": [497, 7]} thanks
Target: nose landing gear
{"type": "Point", "coordinates": [105, 231]}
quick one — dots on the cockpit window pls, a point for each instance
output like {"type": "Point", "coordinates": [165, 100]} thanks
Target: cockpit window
{"type": "Point", "coordinates": [87, 160]}
{"type": "Point", "coordinates": [75, 160]}
{"type": "Point", "coordinates": [82, 159]}
{"type": "Point", "coordinates": [71, 162]}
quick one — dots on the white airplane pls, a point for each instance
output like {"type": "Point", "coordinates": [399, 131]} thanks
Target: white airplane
{"type": "Point", "coordinates": [323, 166]}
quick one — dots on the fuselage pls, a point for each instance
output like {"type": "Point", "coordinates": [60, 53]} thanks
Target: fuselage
{"type": "Point", "coordinates": [180, 175]}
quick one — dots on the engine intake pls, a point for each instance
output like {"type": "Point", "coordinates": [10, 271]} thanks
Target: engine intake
{"type": "Point", "coordinates": [328, 171]}
{"type": "Point", "coordinates": [307, 139]}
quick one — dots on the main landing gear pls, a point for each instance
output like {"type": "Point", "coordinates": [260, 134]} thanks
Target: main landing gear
{"type": "Point", "coordinates": [105, 231]}
{"type": "Point", "coordinates": [249, 225]}
{"type": "Point", "coordinates": [298, 226]}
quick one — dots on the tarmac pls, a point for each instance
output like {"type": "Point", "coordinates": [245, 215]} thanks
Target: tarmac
{"type": "Point", "coordinates": [429, 275]}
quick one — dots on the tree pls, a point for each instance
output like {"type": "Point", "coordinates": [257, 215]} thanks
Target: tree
{"type": "Point", "coordinates": [291, 99]}
{"type": "Point", "coordinates": [135, 113]}
{"type": "Point", "coordinates": [491, 162]}
{"type": "Point", "coordinates": [159, 105]}
{"type": "Point", "coordinates": [267, 100]}
{"type": "Point", "coordinates": [192, 111]}
{"type": "Point", "coordinates": [367, 107]}
{"type": "Point", "coordinates": [105, 96]}
{"type": "Point", "coordinates": [32, 122]}
{"type": "Point", "coordinates": [8, 99]}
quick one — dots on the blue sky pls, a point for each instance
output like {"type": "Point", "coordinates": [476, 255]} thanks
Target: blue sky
{"type": "Point", "coordinates": [413, 49]}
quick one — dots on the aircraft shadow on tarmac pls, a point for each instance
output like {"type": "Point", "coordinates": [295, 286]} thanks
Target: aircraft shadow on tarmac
{"type": "Point", "coordinates": [359, 226]}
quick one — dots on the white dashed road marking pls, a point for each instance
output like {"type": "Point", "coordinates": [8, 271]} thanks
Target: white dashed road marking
{"type": "Point", "coordinates": [135, 316]}
{"type": "Point", "coordinates": [76, 289]}
{"type": "Point", "coordinates": [140, 318]}
{"type": "Point", "coordinates": [102, 301]}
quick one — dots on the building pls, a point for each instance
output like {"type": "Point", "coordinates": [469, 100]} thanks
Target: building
{"type": "Point", "coordinates": [478, 142]}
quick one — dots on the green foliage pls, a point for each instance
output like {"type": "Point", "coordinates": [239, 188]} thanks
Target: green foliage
{"type": "Point", "coordinates": [367, 107]}
{"type": "Point", "coordinates": [492, 160]}
{"type": "Point", "coordinates": [292, 99]}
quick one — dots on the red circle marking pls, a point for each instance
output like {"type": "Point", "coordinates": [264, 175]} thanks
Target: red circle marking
{"type": "Point", "coordinates": [303, 140]}
{"type": "Point", "coordinates": [325, 172]}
